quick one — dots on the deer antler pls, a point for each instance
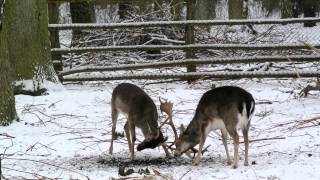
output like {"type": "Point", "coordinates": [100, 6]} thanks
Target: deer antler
{"type": "Point", "coordinates": [167, 106]}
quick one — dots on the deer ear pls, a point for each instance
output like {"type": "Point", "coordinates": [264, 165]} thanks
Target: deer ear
{"type": "Point", "coordinates": [161, 100]}
{"type": "Point", "coordinates": [182, 129]}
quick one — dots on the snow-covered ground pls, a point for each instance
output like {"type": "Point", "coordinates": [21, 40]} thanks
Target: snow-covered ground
{"type": "Point", "coordinates": [66, 134]}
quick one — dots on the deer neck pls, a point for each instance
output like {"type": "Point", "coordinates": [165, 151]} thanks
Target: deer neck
{"type": "Point", "coordinates": [194, 130]}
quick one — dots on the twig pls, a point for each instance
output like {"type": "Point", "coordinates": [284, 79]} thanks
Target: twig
{"type": "Point", "coordinates": [302, 123]}
{"type": "Point", "coordinates": [265, 139]}
{"type": "Point", "coordinates": [156, 172]}
{"type": "Point", "coordinates": [6, 135]}
{"type": "Point", "coordinates": [310, 46]}
{"type": "Point", "coordinates": [264, 102]}
{"type": "Point", "coordinates": [53, 165]}
{"type": "Point", "coordinates": [185, 174]}
{"type": "Point", "coordinates": [53, 104]}
{"type": "Point", "coordinates": [38, 176]}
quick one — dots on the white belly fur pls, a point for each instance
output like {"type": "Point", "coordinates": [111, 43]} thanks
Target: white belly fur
{"type": "Point", "coordinates": [214, 124]}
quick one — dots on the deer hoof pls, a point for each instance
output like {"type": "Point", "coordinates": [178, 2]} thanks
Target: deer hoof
{"type": "Point", "coordinates": [169, 156]}
{"type": "Point", "coordinates": [195, 162]}
{"type": "Point", "coordinates": [229, 162]}
{"type": "Point", "coordinates": [133, 158]}
{"type": "Point", "coordinates": [246, 163]}
{"type": "Point", "coordinates": [234, 166]}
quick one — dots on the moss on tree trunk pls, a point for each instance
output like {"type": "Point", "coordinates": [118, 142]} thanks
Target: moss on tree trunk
{"type": "Point", "coordinates": [29, 46]}
{"type": "Point", "coordinates": [7, 101]}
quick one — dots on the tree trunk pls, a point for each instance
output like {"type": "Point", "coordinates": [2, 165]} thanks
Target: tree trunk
{"type": "Point", "coordinates": [7, 101]}
{"type": "Point", "coordinates": [29, 46]}
{"type": "Point", "coordinates": [205, 9]}
{"type": "Point", "coordinates": [177, 9]}
{"type": "Point", "coordinates": [286, 9]}
{"type": "Point", "coordinates": [144, 6]}
{"type": "Point", "coordinates": [309, 10]}
{"type": "Point", "coordinates": [270, 6]}
{"type": "Point", "coordinates": [189, 37]}
{"type": "Point", "coordinates": [124, 9]}
{"type": "Point", "coordinates": [81, 12]}
{"type": "Point", "coordinates": [296, 8]}
{"type": "Point", "coordinates": [236, 9]}
{"type": "Point", "coordinates": [53, 8]}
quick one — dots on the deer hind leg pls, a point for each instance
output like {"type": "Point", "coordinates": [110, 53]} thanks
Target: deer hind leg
{"type": "Point", "coordinates": [235, 138]}
{"type": "Point", "coordinates": [114, 116]}
{"type": "Point", "coordinates": [133, 139]}
{"type": "Point", "coordinates": [203, 136]}
{"type": "Point", "coordinates": [246, 145]}
{"type": "Point", "coordinates": [127, 132]}
{"type": "Point", "coordinates": [224, 135]}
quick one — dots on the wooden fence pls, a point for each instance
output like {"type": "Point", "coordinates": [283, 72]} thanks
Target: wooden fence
{"type": "Point", "coordinates": [190, 48]}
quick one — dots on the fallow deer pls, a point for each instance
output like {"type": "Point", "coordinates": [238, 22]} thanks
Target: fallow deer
{"type": "Point", "coordinates": [141, 112]}
{"type": "Point", "coordinates": [226, 108]}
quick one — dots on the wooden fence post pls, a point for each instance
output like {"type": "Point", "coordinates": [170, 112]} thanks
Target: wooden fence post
{"type": "Point", "coordinates": [189, 35]}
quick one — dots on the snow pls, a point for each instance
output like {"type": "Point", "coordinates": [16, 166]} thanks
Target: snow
{"type": "Point", "coordinates": [66, 134]}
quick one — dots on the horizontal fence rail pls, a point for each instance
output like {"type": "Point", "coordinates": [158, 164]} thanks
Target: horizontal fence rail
{"type": "Point", "coordinates": [200, 75]}
{"type": "Point", "coordinates": [180, 23]}
{"type": "Point", "coordinates": [189, 47]}
{"type": "Point", "coordinates": [260, 59]}
{"type": "Point", "coordinates": [183, 47]}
